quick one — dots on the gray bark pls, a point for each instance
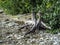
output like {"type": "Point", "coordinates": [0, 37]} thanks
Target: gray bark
{"type": "Point", "coordinates": [36, 24]}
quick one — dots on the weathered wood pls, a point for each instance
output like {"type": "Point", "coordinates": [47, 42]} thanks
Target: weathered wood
{"type": "Point", "coordinates": [44, 25]}
{"type": "Point", "coordinates": [37, 24]}
{"type": "Point", "coordinates": [32, 30]}
{"type": "Point", "coordinates": [21, 27]}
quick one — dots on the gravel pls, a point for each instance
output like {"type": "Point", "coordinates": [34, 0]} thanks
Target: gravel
{"type": "Point", "coordinates": [11, 35]}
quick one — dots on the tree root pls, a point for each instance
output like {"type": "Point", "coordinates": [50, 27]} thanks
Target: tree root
{"type": "Point", "coordinates": [32, 30]}
{"type": "Point", "coordinates": [21, 27]}
{"type": "Point", "coordinates": [34, 27]}
{"type": "Point", "coordinates": [36, 24]}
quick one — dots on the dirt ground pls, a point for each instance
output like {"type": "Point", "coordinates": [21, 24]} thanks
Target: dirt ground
{"type": "Point", "coordinates": [10, 33]}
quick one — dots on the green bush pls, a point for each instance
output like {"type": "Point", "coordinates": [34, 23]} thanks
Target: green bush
{"type": "Point", "coordinates": [15, 6]}
{"type": "Point", "coordinates": [50, 9]}
{"type": "Point", "coordinates": [55, 31]}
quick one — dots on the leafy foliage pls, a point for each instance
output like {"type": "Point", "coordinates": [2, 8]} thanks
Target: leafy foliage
{"type": "Point", "coordinates": [50, 9]}
{"type": "Point", "coordinates": [51, 12]}
{"type": "Point", "coordinates": [15, 6]}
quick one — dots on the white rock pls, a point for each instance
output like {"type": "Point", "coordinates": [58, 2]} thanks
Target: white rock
{"type": "Point", "coordinates": [32, 40]}
{"type": "Point", "coordinates": [9, 36]}
{"type": "Point", "coordinates": [51, 38]}
{"type": "Point", "coordinates": [1, 11]}
{"type": "Point", "coordinates": [10, 24]}
{"type": "Point", "coordinates": [16, 35]}
{"type": "Point", "coordinates": [55, 43]}
{"type": "Point", "coordinates": [42, 43]}
{"type": "Point", "coordinates": [41, 38]}
{"type": "Point", "coordinates": [55, 39]}
{"type": "Point", "coordinates": [28, 42]}
{"type": "Point", "coordinates": [29, 22]}
{"type": "Point", "coordinates": [59, 34]}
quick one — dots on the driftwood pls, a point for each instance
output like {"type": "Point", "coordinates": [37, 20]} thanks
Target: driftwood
{"type": "Point", "coordinates": [36, 24]}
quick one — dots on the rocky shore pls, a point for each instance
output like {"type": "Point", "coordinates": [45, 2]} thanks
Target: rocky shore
{"type": "Point", "coordinates": [10, 34]}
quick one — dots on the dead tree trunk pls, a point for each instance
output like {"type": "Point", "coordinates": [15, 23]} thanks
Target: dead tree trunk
{"type": "Point", "coordinates": [37, 23]}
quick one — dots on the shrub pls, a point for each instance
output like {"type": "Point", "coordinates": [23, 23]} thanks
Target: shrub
{"type": "Point", "coordinates": [50, 9]}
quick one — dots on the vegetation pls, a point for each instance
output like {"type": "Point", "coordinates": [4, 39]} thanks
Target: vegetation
{"type": "Point", "coordinates": [49, 8]}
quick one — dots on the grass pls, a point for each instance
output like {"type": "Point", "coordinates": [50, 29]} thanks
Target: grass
{"type": "Point", "coordinates": [53, 31]}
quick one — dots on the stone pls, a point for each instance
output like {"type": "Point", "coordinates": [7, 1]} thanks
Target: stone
{"type": "Point", "coordinates": [1, 11]}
